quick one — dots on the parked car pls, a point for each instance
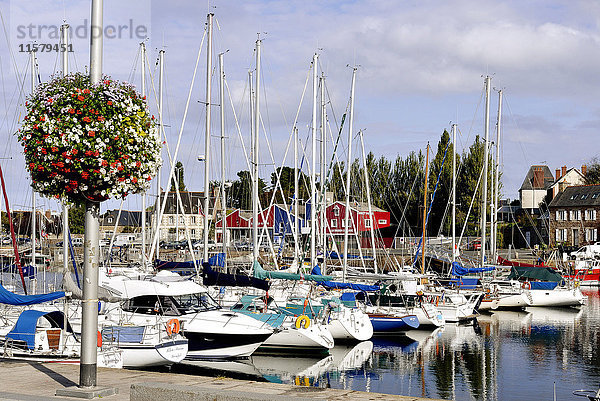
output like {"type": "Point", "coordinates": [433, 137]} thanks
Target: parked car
{"type": "Point", "coordinates": [474, 245]}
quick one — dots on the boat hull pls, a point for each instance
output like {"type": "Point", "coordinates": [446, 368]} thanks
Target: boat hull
{"type": "Point", "coordinates": [165, 353]}
{"type": "Point", "coordinates": [390, 324]}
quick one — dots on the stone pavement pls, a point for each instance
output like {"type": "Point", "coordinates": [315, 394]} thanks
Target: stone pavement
{"type": "Point", "coordinates": [35, 381]}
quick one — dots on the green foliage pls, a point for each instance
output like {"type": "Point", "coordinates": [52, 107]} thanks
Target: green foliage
{"type": "Point", "coordinates": [179, 177]}
{"type": "Point", "coordinates": [592, 175]}
{"type": "Point", "coordinates": [77, 219]}
{"type": "Point", "coordinates": [240, 194]}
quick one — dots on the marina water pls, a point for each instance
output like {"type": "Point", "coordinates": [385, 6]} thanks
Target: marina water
{"type": "Point", "coordinates": [520, 355]}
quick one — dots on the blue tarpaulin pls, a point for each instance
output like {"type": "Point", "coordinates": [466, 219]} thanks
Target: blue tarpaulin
{"type": "Point", "coordinates": [217, 260]}
{"type": "Point", "coordinates": [459, 270]}
{"type": "Point", "coordinates": [343, 286]}
{"type": "Point", "coordinates": [10, 298]}
{"type": "Point", "coordinates": [463, 282]}
{"type": "Point", "coordinates": [212, 277]}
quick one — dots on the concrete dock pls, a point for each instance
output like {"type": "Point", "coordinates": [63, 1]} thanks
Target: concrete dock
{"type": "Point", "coordinates": [35, 381]}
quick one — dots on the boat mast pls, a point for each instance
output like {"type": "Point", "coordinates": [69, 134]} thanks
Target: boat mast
{"type": "Point", "coordinates": [347, 206]}
{"type": "Point", "coordinates": [143, 217]}
{"type": "Point", "coordinates": [223, 200]}
{"type": "Point", "coordinates": [161, 69]}
{"type": "Point", "coordinates": [425, 211]}
{"type": "Point", "coordinates": [453, 192]}
{"type": "Point", "coordinates": [485, 168]}
{"type": "Point", "coordinates": [33, 200]}
{"type": "Point", "coordinates": [322, 176]}
{"type": "Point", "coordinates": [296, 220]}
{"type": "Point", "coordinates": [496, 196]}
{"type": "Point", "coordinates": [313, 170]}
{"type": "Point", "coordinates": [255, 157]}
{"type": "Point", "coordinates": [371, 216]}
{"type": "Point", "coordinates": [207, 132]}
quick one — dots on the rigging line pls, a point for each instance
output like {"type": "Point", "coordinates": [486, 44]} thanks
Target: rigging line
{"type": "Point", "coordinates": [470, 206]}
{"type": "Point", "coordinates": [172, 169]}
{"type": "Point", "coordinates": [432, 200]}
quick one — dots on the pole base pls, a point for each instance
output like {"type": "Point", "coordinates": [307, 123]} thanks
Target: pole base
{"type": "Point", "coordinates": [86, 393]}
{"type": "Point", "coordinates": [87, 375]}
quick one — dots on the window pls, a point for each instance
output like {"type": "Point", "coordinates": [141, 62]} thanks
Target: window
{"type": "Point", "coordinates": [193, 220]}
{"type": "Point", "coordinates": [561, 215]}
{"type": "Point", "coordinates": [595, 195]}
{"type": "Point", "coordinates": [575, 238]}
{"type": "Point", "coordinates": [193, 233]}
{"type": "Point", "coordinates": [110, 220]}
{"type": "Point", "coordinates": [333, 223]}
{"type": "Point", "coordinates": [368, 223]}
{"type": "Point", "coordinates": [336, 211]}
{"type": "Point", "coordinates": [575, 215]}
{"type": "Point", "coordinates": [343, 223]}
{"type": "Point", "coordinates": [573, 197]}
{"type": "Point", "coordinates": [584, 196]}
{"type": "Point", "coordinates": [181, 220]}
{"type": "Point", "coordinates": [561, 235]}
{"type": "Point", "coordinates": [171, 220]}
{"type": "Point", "coordinates": [590, 214]}
{"type": "Point", "coordinates": [382, 221]}
{"type": "Point", "coordinates": [591, 234]}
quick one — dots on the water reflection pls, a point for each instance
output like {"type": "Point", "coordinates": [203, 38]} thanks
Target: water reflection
{"type": "Point", "coordinates": [504, 355]}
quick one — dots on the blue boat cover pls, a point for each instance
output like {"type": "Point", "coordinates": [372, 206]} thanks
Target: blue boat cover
{"type": "Point", "coordinates": [123, 334]}
{"type": "Point", "coordinates": [166, 265]}
{"type": "Point", "coordinates": [10, 298]}
{"type": "Point", "coordinates": [543, 285]}
{"type": "Point", "coordinates": [335, 255]}
{"type": "Point", "coordinates": [28, 271]}
{"type": "Point", "coordinates": [217, 260]}
{"type": "Point", "coordinates": [459, 270]}
{"type": "Point", "coordinates": [24, 330]}
{"type": "Point", "coordinates": [348, 286]}
{"type": "Point", "coordinates": [464, 282]}
{"type": "Point", "coordinates": [213, 277]}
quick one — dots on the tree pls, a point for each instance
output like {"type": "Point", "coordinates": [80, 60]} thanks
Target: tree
{"type": "Point", "coordinates": [179, 177]}
{"type": "Point", "coordinates": [441, 166]}
{"type": "Point", "coordinates": [240, 194]}
{"type": "Point", "coordinates": [286, 181]}
{"type": "Point", "coordinates": [77, 219]}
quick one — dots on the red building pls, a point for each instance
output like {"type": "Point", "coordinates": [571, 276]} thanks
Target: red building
{"type": "Point", "coordinates": [360, 221]}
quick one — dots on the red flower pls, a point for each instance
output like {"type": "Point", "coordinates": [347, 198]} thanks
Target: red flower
{"type": "Point", "coordinates": [100, 118]}
{"type": "Point", "coordinates": [86, 91]}
{"type": "Point", "coordinates": [135, 180]}
{"type": "Point", "coordinates": [74, 151]}
{"type": "Point", "coordinates": [92, 134]}
{"type": "Point", "coordinates": [85, 175]}
{"type": "Point", "coordinates": [31, 166]}
{"type": "Point", "coordinates": [54, 149]}
{"type": "Point", "coordinates": [87, 119]}
{"type": "Point", "coordinates": [89, 153]}
{"type": "Point", "coordinates": [72, 111]}
{"type": "Point", "coordinates": [120, 168]}
{"type": "Point", "coordinates": [96, 153]}
{"type": "Point", "coordinates": [80, 98]}
{"type": "Point", "coordinates": [121, 179]}
{"type": "Point", "coordinates": [42, 118]}
{"type": "Point", "coordinates": [109, 103]}
{"type": "Point", "coordinates": [104, 163]}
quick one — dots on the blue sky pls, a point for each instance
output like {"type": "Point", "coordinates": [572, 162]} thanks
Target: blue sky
{"type": "Point", "coordinates": [421, 67]}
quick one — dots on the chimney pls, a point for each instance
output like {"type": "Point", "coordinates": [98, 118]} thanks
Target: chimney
{"type": "Point", "coordinates": [564, 170]}
{"type": "Point", "coordinates": [584, 169]}
{"type": "Point", "coordinates": [538, 177]}
{"type": "Point", "coordinates": [557, 174]}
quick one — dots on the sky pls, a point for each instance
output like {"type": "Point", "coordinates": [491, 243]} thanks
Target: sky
{"type": "Point", "coordinates": [420, 67]}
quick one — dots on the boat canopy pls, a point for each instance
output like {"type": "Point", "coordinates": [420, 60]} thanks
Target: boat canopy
{"type": "Point", "coordinates": [123, 334]}
{"type": "Point", "coordinates": [534, 273]}
{"type": "Point", "coordinates": [10, 298]}
{"type": "Point", "coordinates": [460, 270]}
{"type": "Point", "coordinates": [263, 274]}
{"type": "Point", "coordinates": [213, 277]}
{"type": "Point", "coordinates": [24, 329]}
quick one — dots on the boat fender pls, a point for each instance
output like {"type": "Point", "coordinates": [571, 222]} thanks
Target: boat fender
{"type": "Point", "coordinates": [302, 321]}
{"type": "Point", "coordinates": [173, 327]}
{"type": "Point", "coordinates": [99, 340]}
{"type": "Point", "coordinates": [526, 285]}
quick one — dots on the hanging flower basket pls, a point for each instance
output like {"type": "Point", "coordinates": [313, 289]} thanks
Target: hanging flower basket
{"type": "Point", "coordinates": [89, 142]}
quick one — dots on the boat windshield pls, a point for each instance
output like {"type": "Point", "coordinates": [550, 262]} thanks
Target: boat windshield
{"type": "Point", "coordinates": [196, 302]}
